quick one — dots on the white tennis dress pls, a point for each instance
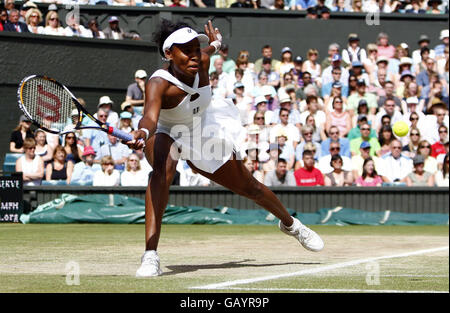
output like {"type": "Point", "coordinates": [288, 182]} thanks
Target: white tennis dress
{"type": "Point", "coordinates": [207, 132]}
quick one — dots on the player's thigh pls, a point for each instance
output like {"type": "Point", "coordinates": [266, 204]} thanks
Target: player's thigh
{"type": "Point", "coordinates": [162, 154]}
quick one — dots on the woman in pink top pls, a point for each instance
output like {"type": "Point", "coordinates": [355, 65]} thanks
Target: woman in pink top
{"type": "Point", "coordinates": [339, 118]}
{"type": "Point", "coordinates": [384, 48]}
{"type": "Point", "coordinates": [369, 177]}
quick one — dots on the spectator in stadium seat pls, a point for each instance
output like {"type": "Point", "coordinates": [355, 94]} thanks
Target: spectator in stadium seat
{"type": "Point", "coordinates": [9, 5]}
{"type": "Point", "coordinates": [424, 55]}
{"type": "Point", "coordinates": [274, 154]}
{"type": "Point", "coordinates": [423, 78]}
{"type": "Point", "coordinates": [117, 150]}
{"type": "Point", "coordinates": [113, 31]}
{"type": "Point", "coordinates": [247, 4]}
{"type": "Point", "coordinates": [384, 47]}
{"type": "Point", "coordinates": [266, 52]}
{"type": "Point", "coordinates": [353, 100]}
{"type": "Point", "coordinates": [74, 28]}
{"type": "Point", "coordinates": [412, 104]}
{"type": "Point", "coordinates": [336, 63]}
{"type": "Point", "coordinates": [358, 160]}
{"type": "Point", "coordinates": [334, 135]}
{"type": "Point", "coordinates": [324, 164]}
{"type": "Point", "coordinates": [354, 52]}
{"type": "Point", "coordinates": [243, 102]}
{"type": "Point", "coordinates": [273, 78]}
{"type": "Point", "coordinates": [261, 104]}
{"type": "Point", "coordinates": [107, 176]}
{"type": "Point", "coordinates": [125, 123]}
{"type": "Point", "coordinates": [258, 128]}
{"type": "Point", "coordinates": [308, 84]}
{"type": "Point", "coordinates": [59, 169]}
{"type": "Point", "coordinates": [439, 49]}
{"type": "Point", "coordinates": [106, 104]}
{"type": "Point", "coordinates": [369, 176]}
{"type": "Point", "coordinates": [133, 174]}
{"type": "Point", "coordinates": [438, 147]}
{"type": "Point", "coordinates": [291, 130]}
{"type": "Point", "coordinates": [333, 49]}
{"type": "Point", "coordinates": [13, 24]}
{"type": "Point", "coordinates": [423, 42]}
{"type": "Point", "coordinates": [30, 164]}
{"type": "Point", "coordinates": [95, 138]}
{"type": "Point", "coordinates": [433, 7]}
{"type": "Point", "coordinates": [442, 176]}
{"type": "Point", "coordinates": [385, 137]}
{"type": "Point", "coordinates": [280, 176]}
{"type": "Point", "coordinates": [318, 131]}
{"type": "Point", "coordinates": [294, 114]}
{"type": "Point", "coordinates": [415, 8]}
{"type": "Point", "coordinates": [3, 18]}
{"type": "Point", "coordinates": [339, 6]}
{"type": "Point", "coordinates": [225, 80]}
{"type": "Point", "coordinates": [286, 62]}
{"type": "Point", "coordinates": [308, 175]}
{"type": "Point", "coordinates": [83, 172]}
{"type": "Point", "coordinates": [44, 150]}
{"type": "Point", "coordinates": [396, 166]}
{"type": "Point", "coordinates": [389, 109]}
{"type": "Point", "coordinates": [95, 32]}
{"type": "Point", "coordinates": [313, 107]}
{"type": "Point", "coordinates": [52, 24]}
{"type": "Point", "coordinates": [312, 13]}
{"type": "Point", "coordinates": [73, 150]}
{"type": "Point", "coordinates": [19, 134]}
{"type": "Point", "coordinates": [388, 93]}
{"type": "Point", "coordinates": [410, 149]}
{"type": "Point", "coordinates": [339, 118]}
{"type": "Point", "coordinates": [419, 176]}
{"type": "Point", "coordinates": [363, 109]}
{"type": "Point", "coordinates": [338, 177]}
{"type": "Point", "coordinates": [287, 150]}
{"type": "Point", "coordinates": [298, 72]}
{"type": "Point", "coordinates": [228, 65]}
{"type": "Point", "coordinates": [365, 136]}
{"type": "Point", "coordinates": [307, 134]}
{"type": "Point", "coordinates": [33, 19]}
{"type": "Point", "coordinates": [431, 164]}
{"type": "Point", "coordinates": [312, 66]}
{"type": "Point", "coordinates": [336, 75]}
{"type": "Point", "coordinates": [136, 91]}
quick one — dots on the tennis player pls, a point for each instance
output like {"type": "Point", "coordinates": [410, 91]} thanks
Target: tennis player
{"type": "Point", "coordinates": [177, 111]}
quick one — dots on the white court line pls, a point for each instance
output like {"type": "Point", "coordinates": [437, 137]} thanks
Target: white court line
{"type": "Point", "coordinates": [224, 285]}
{"type": "Point", "coordinates": [337, 290]}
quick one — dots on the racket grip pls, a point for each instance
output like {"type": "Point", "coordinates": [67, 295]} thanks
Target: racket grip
{"type": "Point", "coordinates": [120, 134]}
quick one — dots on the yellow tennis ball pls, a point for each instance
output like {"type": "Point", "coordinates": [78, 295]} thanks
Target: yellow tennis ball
{"type": "Point", "coordinates": [401, 128]}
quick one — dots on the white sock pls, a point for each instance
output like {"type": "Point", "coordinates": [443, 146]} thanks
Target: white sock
{"type": "Point", "coordinates": [292, 226]}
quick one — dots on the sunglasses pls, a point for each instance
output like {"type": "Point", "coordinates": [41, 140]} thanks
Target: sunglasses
{"type": "Point", "coordinates": [414, 119]}
{"type": "Point", "coordinates": [415, 134]}
{"type": "Point", "coordinates": [133, 160]}
{"type": "Point", "coordinates": [306, 77]}
{"type": "Point", "coordinates": [54, 19]}
{"type": "Point", "coordinates": [365, 128]}
{"type": "Point", "coordinates": [307, 134]}
{"type": "Point", "coordinates": [107, 164]}
{"type": "Point", "coordinates": [442, 132]}
{"type": "Point", "coordinates": [335, 149]}
{"type": "Point", "coordinates": [259, 118]}
{"type": "Point", "coordinates": [428, 147]}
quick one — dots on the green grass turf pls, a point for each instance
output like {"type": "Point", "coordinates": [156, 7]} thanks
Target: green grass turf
{"type": "Point", "coordinates": [33, 258]}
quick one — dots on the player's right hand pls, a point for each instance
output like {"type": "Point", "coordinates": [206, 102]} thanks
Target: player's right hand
{"type": "Point", "coordinates": [138, 141]}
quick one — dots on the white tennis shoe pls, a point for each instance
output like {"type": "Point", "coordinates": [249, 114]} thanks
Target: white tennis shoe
{"type": "Point", "coordinates": [149, 265]}
{"type": "Point", "coordinates": [307, 237]}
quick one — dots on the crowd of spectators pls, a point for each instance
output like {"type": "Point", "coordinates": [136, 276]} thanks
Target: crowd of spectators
{"type": "Point", "coordinates": [29, 18]}
{"type": "Point", "coordinates": [310, 120]}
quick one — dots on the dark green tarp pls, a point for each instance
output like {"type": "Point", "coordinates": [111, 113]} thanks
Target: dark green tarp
{"type": "Point", "coordinates": [110, 208]}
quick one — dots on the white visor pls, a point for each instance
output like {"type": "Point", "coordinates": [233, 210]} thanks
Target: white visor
{"type": "Point", "coordinates": [183, 35]}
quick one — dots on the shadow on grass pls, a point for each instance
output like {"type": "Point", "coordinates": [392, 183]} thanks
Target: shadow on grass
{"type": "Point", "coordinates": [179, 269]}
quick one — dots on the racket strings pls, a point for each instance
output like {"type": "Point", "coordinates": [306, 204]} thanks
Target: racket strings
{"type": "Point", "coordinates": [47, 103]}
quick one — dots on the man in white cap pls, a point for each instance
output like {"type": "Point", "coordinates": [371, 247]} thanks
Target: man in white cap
{"type": "Point", "coordinates": [106, 104]}
{"type": "Point", "coordinates": [294, 114]}
{"type": "Point", "coordinates": [439, 49]}
{"type": "Point", "coordinates": [135, 118]}
{"type": "Point", "coordinates": [424, 41]}
{"type": "Point", "coordinates": [291, 130]}
{"type": "Point", "coordinates": [113, 31]}
{"type": "Point", "coordinates": [136, 91]}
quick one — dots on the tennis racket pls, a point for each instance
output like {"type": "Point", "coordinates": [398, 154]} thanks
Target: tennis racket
{"type": "Point", "coordinates": [49, 104]}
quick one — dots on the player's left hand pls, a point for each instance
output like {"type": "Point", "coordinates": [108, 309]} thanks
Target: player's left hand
{"type": "Point", "coordinates": [212, 33]}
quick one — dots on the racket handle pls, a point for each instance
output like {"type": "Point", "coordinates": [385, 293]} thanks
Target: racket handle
{"type": "Point", "coordinates": [120, 134]}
